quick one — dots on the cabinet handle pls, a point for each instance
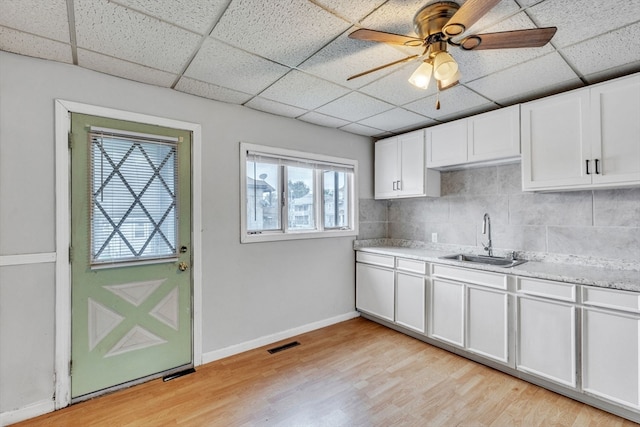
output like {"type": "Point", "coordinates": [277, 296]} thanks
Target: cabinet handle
{"type": "Point", "coordinates": [399, 185]}
{"type": "Point", "coordinates": [395, 184]}
{"type": "Point", "coordinates": [588, 173]}
{"type": "Point", "coordinates": [597, 171]}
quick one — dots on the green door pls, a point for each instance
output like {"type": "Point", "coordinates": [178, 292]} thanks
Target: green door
{"type": "Point", "coordinates": [131, 252]}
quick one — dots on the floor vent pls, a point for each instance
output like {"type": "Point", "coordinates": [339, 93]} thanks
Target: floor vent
{"type": "Point", "coordinates": [178, 374]}
{"type": "Point", "coordinates": [284, 347]}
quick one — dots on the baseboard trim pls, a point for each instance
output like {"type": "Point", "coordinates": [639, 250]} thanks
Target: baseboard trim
{"type": "Point", "coordinates": [30, 411]}
{"type": "Point", "coordinates": [270, 339]}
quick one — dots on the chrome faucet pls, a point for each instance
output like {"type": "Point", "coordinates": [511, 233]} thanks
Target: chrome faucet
{"type": "Point", "coordinates": [486, 229]}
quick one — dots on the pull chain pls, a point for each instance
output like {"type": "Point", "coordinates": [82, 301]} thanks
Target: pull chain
{"type": "Point", "coordinates": [438, 99]}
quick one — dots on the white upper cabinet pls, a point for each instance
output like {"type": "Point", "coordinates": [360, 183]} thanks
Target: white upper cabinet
{"type": "Point", "coordinates": [447, 144]}
{"type": "Point", "coordinates": [494, 135]}
{"type": "Point", "coordinates": [483, 138]}
{"type": "Point", "coordinates": [400, 168]}
{"type": "Point", "coordinates": [588, 138]}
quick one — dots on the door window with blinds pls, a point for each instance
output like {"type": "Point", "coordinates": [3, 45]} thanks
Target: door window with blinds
{"type": "Point", "coordinates": [293, 195]}
{"type": "Point", "coordinates": [133, 197]}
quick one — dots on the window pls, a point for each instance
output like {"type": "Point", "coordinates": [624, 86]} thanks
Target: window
{"type": "Point", "coordinates": [133, 196]}
{"type": "Point", "coordinates": [292, 195]}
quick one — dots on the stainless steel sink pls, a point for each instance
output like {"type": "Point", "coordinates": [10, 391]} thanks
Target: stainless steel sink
{"type": "Point", "coordinates": [483, 259]}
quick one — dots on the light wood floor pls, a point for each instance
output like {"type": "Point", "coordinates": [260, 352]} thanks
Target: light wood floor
{"type": "Point", "coordinates": [356, 373]}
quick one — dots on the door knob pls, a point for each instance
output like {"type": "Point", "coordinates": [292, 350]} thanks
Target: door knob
{"type": "Point", "coordinates": [183, 266]}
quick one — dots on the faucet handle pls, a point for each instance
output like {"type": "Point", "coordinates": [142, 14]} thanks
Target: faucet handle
{"type": "Point", "coordinates": [513, 255]}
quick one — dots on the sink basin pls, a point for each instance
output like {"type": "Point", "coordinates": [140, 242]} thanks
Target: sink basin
{"type": "Point", "coordinates": [483, 259]}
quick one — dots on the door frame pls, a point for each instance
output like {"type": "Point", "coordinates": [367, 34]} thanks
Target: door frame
{"type": "Point", "coordinates": [63, 110]}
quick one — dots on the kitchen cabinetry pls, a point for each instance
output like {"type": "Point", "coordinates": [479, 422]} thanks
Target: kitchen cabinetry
{"type": "Point", "coordinates": [375, 289]}
{"type": "Point", "coordinates": [400, 168]}
{"type": "Point", "coordinates": [611, 345]}
{"type": "Point", "coordinates": [397, 295]}
{"type": "Point", "coordinates": [470, 309]}
{"type": "Point", "coordinates": [587, 138]}
{"type": "Point", "coordinates": [546, 330]}
{"type": "Point", "coordinates": [411, 293]}
{"type": "Point", "coordinates": [485, 137]}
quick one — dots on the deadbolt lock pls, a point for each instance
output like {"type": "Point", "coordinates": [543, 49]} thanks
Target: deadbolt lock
{"type": "Point", "coordinates": [183, 266]}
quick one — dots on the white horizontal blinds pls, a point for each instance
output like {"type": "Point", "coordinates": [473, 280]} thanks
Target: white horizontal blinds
{"type": "Point", "coordinates": [300, 162]}
{"type": "Point", "coordinates": [133, 195]}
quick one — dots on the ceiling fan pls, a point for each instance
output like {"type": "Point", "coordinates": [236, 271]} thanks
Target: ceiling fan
{"type": "Point", "coordinates": [437, 24]}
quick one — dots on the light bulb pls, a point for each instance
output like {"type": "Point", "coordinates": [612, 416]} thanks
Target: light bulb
{"type": "Point", "coordinates": [444, 66]}
{"type": "Point", "coordinates": [421, 76]}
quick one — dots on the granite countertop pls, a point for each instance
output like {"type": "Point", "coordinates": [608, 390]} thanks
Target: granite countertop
{"type": "Point", "coordinates": [605, 276]}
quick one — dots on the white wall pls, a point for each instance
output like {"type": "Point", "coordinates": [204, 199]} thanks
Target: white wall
{"type": "Point", "coordinates": [250, 291]}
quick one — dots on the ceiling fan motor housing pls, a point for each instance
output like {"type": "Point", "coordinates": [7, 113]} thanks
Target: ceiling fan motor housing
{"type": "Point", "coordinates": [430, 19]}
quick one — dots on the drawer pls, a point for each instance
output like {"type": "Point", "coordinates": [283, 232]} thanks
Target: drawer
{"type": "Point", "coordinates": [375, 259]}
{"type": "Point", "coordinates": [619, 300]}
{"type": "Point", "coordinates": [411, 265]}
{"type": "Point", "coordinates": [477, 277]}
{"type": "Point", "coordinates": [547, 289]}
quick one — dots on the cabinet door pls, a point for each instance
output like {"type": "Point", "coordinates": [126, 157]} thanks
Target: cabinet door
{"type": "Point", "coordinates": [615, 117]}
{"type": "Point", "coordinates": [610, 354]}
{"type": "Point", "coordinates": [375, 291]}
{"type": "Point", "coordinates": [386, 167]}
{"type": "Point", "coordinates": [494, 135]}
{"type": "Point", "coordinates": [447, 144]}
{"type": "Point", "coordinates": [447, 311]}
{"type": "Point", "coordinates": [546, 333]}
{"type": "Point", "coordinates": [410, 301]}
{"type": "Point", "coordinates": [555, 142]}
{"type": "Point", "coordinates": [487, 323]}
{"type": "Point", "coordinates": [412, 167]}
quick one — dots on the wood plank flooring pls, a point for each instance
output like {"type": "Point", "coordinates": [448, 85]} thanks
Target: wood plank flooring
{"type": "Point", "coordinates": [355, 373]}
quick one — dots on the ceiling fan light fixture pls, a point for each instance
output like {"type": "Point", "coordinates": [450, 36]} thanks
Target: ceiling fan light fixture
{"type": "Point", "coordinates": [444, 66]}
{"type": "Point", "coordinates": [422, 75]}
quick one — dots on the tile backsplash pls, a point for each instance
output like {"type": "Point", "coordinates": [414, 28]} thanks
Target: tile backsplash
{"type": "Point", "coordinates": [599, 223]}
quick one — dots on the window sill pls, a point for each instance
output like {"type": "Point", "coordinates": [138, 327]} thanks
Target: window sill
{"type": "Point", "coordinates": [301, 235]}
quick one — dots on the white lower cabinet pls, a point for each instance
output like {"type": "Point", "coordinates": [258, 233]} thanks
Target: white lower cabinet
{"type": "Point", "coordinates": [546, 330]}
{"type": "Point", "coordinates": [611, 346]}
{"type": "Point", "coordinates": [375, 290]}
{"type": "Point", "coordinates": [446, 311]}
{"type": "Point", "coordinates": [411, 301]}
{"type": "Point", "coordinates": [488, 323]}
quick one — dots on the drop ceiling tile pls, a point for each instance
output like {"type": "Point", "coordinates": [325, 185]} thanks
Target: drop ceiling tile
{"type": "Point", "coordinates": [323, 120]}
{"type": "Point", "coordinates": [194, 15]}
{"type": "Point", "coordinates": [353, 11]}
{"type": "Point", "coordinates": [273, 107]}
{"type": "Point", "coordinates": [345, 57]}
{"type": "Point", "coordinates": [287, 32]}
{"type": "Point", "coordinates": [42, 18]}
{"type": "Point", "coordinates": [398, 118]}
{"type": "Point", "coordinates": [354, 106]}
{"type": "Point", "coordinates": [30, 45]}
{"type": "Point", "coordinates": [226, 66]}
{"type": "Point", "coordinates": [589, 57]}
{"type": "Point", "coordinates": [395, 87]}
{"type": "Point", "coordinates": [395, 16]}
{"type": "Point", "coordinates": [542, 75]}
{"type": "Point", "coordinates": [127, 70]}
{"type": "Point", "coordinates": [211, 91]}
{"type": "Point", "coordinates": [105, 27]}
{"type": "Point", "coordinates": [303, 90]}
{"type": "Point", "coordinates": [457, 101]}
{"type": "Point", "coordinates": [588, 18]}
{"type": "Point", "coordinates": [364, 130]}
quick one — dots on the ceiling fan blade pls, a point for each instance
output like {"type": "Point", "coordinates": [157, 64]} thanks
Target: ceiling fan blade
{"type": "Point", "coordinates": [381, 36]}
{"type": "Point", "coordinates": [364, 73]}
{"type": "Point", "coordinates": [467, 15]}
{"type": "Point", "coordinates": [533, 37]}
